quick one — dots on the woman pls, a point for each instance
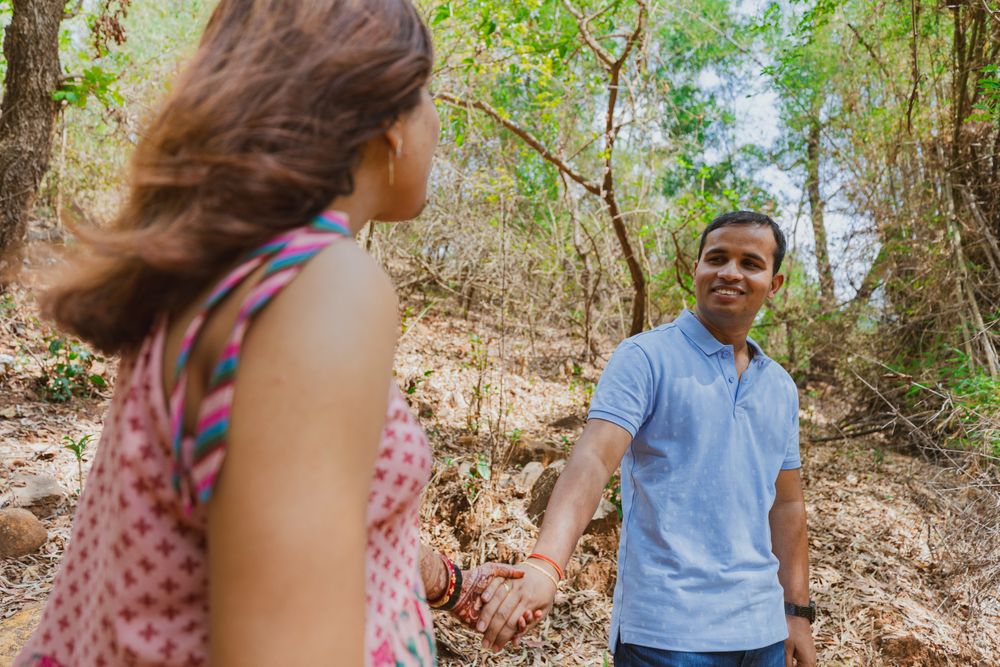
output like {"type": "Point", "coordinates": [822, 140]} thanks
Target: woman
{"type": "Point", "coordinates": [254, 500]}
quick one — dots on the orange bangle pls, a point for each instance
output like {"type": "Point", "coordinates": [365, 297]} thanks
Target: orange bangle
{"type": "Point", "coordinates": [551, 562]}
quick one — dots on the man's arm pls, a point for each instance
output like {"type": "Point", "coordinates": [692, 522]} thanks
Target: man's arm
{"type": "Point", "coordinates": [790, 543]}
{"type": "Point", "coordinates": [574, 499]}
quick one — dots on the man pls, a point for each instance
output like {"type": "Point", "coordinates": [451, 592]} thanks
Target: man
{"type": "Point", "coordinates": [713, 565]}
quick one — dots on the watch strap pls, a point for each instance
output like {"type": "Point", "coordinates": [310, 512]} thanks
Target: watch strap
{"type": "Point", "coordinates": [807, 612]}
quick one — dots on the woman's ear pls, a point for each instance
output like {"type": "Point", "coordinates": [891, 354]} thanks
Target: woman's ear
{"type": "Point", "coordinates": [394, 138]}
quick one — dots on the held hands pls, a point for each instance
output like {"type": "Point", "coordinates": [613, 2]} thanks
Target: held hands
{"type": "Point", "coordinates": [511, 606]}
{"type": "Point", "coordinates": [474, 583]}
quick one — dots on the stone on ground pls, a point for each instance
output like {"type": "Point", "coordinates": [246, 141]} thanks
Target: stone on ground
{"type": "Point", "coordinates": [40, 494]}
{"type": "Point", "coordinates": [21, 533]}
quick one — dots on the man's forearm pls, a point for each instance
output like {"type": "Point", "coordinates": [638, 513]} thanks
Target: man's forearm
{"type": "Point", "coordinates": [571, 507]}
{"type": "Point", "coordinates": [790, 543]}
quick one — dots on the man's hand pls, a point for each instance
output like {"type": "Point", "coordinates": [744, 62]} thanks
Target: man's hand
{"type": "Point", "coordinates": [509, 604]}
{"type": "Point", "coordinates": [474, 583]}
{"type": "Point", "coordinates": [799, 648]}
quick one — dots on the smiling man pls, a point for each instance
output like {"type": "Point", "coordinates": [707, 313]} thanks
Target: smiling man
{"type": "Point", "coordinates": [713, 565]}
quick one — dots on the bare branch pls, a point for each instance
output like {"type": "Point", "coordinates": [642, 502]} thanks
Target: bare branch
{"type": "Point", "coordinates": [583, 23]}
{"type": "Point", "coordinates": [640, 26]}
{"type": "Point", "coordinates": [721, 33]}
{"type": "Point", "coordinates": [526, 136]}
{"type": "Point", "coordinates": [875, 57]}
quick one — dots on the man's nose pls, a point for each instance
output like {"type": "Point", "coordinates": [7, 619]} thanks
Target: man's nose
{"type": "Point", "coordinates": [730, 271]}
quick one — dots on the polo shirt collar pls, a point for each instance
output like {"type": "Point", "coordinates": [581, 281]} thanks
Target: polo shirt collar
{"type": "Point", "coordinates": [696, 332]}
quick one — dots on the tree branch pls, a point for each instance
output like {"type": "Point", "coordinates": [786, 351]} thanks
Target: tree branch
{"type": "Point", "coordinates": [583, 22]}
{"type": "Point", "coordinates": [526, 136]}
{"type": "Point", "coordinates": [875, 57]}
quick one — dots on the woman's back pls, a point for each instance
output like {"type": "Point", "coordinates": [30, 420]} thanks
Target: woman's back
{"type": "Point", "coordinates": [134, 587]}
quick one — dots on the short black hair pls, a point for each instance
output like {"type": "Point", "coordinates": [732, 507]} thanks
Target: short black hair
{"type": "Point", "coordinates": [748, 218]}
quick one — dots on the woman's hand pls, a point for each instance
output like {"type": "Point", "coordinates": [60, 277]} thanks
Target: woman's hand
{"type": "Point", "coordinates": [509, 606]}
{"type": "Point", "coordinates": [474, 583]}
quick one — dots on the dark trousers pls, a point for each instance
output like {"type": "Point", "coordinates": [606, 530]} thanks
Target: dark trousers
{"type": "Point", "coordinates": [630, 655]}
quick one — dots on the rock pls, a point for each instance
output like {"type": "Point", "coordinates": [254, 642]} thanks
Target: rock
{"type": "Point", "coordinates": [40, 494]}
{"type": "Point", "coordinates": [527, 451]}
{"type": "Point", "coordinates": [14, 631]}
{"type": "Point", "coordinates": [17, 463]}
{"type": "Point", "coordinates": [597, 575]}
{"type": "Point", "coordinates": [605, 520]}
{"type": "Point", "coordinates": [528, 475]}
{"type": "Point", "coordinates": [852, 478]}
{"type": "Point", "coordinates": [21, 533]}
{"type": "Point", "coordinates": [541, 491]}
{"type": "Point", "coordinates": [467, 440]}
{"type": "Point", "coordinates": [10, 412]}
{"type": "Point", "coordinates": [568, 422]}
{"type": "Point", "coordinates": [6, 364]}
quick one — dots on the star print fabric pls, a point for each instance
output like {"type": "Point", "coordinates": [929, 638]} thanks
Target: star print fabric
{"type": "Point", "coordinates": [133, 585]}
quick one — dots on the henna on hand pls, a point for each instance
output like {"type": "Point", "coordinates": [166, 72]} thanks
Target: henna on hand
{"type": "Point", "coordinates": [474, 582]}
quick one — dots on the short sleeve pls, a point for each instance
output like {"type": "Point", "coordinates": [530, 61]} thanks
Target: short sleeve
{"type": "Point", "coordinates": [624, 394]}
{"type": "Point", "coordinates": [792, 459]}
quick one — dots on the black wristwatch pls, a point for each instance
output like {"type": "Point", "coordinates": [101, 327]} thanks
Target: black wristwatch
{"type": "Point", "coordinates": [808, 613]}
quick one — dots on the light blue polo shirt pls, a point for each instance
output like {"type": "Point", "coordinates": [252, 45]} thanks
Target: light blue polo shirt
{"type": "Point", "coordinates": [695, 568]}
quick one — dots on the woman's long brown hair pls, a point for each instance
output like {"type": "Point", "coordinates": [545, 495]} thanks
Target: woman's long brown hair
{"type": "Point", "coordinates": [261, 132]}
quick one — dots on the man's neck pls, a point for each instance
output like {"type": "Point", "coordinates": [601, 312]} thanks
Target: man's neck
{"type": "Point", "coordinates": [727, 335]}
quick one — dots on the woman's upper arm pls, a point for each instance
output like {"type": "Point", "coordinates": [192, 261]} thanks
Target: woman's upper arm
{"type": "Point", "coordinates": [287, 521]}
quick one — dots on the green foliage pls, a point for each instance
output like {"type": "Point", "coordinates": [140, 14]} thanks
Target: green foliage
{"type": "Point", "coordinates": [67, 371]}
{"type": "Point", "coordinates": [988, 108]}
{"type": "Point", "coordinates": [977, 402]}
{"type": "Point", "coordinates": [95, 82]}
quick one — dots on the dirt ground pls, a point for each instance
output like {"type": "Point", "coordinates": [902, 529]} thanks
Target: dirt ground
{"type": "Point", "coordinates": [890, 572]}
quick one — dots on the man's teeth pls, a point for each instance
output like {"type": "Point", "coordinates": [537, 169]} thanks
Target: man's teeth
{"type": "Point", "coordinates": [728, 292]}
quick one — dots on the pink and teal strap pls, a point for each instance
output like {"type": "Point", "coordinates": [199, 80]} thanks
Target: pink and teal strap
{"type": "Point", "coordinates": [197, 462]}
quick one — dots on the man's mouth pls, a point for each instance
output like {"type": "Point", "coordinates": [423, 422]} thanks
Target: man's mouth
{"type": "Point", "coordinates": [728, 291]}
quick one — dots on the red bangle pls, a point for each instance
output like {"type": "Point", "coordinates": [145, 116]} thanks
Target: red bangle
{"type": "Point", "coordinates": [550, 562]}
{"type": "Point", "coordinates": [449, 588]}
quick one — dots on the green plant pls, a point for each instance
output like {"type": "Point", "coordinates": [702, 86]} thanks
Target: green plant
{"type": "Point", "coordinates": [477, 475]}
{"type": "Point", "coordinates": [67, 371]}
{"type": "Point", "coordinates": [78, 447]}
{"type": "Point", "coordinates": [479, 360]}
{"type": "Point", "coordinates": [94, 82]}
{"type": "Point", "coordinates": [413, 383]}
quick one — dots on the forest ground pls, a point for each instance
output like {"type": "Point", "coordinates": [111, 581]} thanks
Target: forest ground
{"type": "Point", "coordinates": [888, 562]}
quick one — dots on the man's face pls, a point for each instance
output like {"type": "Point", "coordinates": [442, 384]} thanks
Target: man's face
{"type": "Point", "coordinates": [734, 274]}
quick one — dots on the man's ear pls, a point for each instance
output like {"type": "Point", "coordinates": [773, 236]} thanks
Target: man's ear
{"type": "Point", "coordinates": [776, 282]}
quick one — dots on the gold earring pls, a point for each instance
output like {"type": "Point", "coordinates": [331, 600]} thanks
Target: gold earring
{"type": "Point", "coordinates": [392, 161]}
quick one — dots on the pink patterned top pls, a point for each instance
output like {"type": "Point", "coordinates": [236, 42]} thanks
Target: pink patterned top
{"type": "Point", "coordinates": [133, 587]}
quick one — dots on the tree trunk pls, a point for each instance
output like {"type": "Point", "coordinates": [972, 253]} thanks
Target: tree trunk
{"type": "Point", "coordinates": [816, 214]}
{"type": "Point", "coordinates": [28, 112]}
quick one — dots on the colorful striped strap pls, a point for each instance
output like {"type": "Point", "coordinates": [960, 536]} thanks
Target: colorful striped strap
{"type": "Point", "coordinates": [196, 467]}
